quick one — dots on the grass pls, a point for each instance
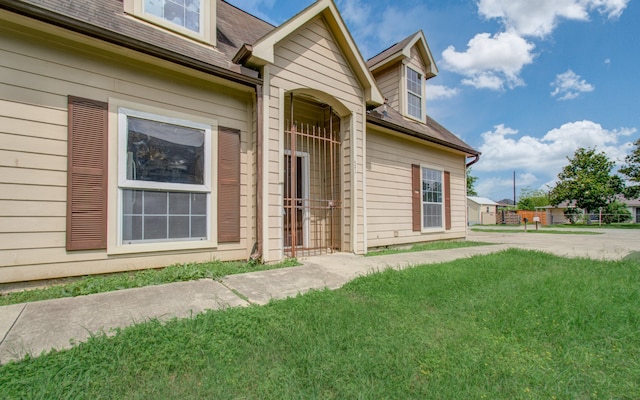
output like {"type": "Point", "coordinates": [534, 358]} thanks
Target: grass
{"type": "Point", "coordinates": [127, 280]}
{"type": "Point", "coordinates": [511, 325]}
{"type": "Point", "coordinates": [533, 230]}
{"type": "Point", "coordinates": [438, 245]}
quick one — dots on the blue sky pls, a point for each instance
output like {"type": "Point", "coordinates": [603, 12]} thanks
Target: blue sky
{"type": "Point", "coordinates": [526, 82]}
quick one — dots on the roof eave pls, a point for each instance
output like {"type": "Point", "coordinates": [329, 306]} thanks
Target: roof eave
{"type": "Point", "coordinates": [405, 53]}
{"type": "Point", "coordinates": [385, 124]}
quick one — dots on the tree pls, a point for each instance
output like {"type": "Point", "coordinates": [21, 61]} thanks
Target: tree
{"type": "Point", "coordinates": [616, 211]}
{"type": "Point", "coordinates": [471, 181]}
{"type": "Point", "coordinates": [587, 180]}
{"type": "Point", "coordinates": [632, 171]}
{"type": "Point", "coordinates": [532, 198]}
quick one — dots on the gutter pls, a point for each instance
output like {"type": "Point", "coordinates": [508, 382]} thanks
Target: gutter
{"type": "Point", "coordinates": [63, 21]}
{"type": "Point", "coordinates": [475, 160]}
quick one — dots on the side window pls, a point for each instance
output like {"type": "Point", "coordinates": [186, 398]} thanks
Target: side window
{"type": "Point", "coordinates": [432, 198]}
{"type": "Point", "coordinates": [414, 93]}
{"type": "Point", "coordinates": [164, 181]}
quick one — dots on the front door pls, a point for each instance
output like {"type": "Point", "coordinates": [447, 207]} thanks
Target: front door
{"type": "Point", "coordinates": [296, 193]}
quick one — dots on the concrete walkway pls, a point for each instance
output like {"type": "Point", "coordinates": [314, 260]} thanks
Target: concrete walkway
{"type": "Point", "coordinates": [33, 328]}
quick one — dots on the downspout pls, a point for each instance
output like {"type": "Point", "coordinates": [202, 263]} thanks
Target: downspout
{"type": "Point", "coordinates": [475, 160]}
{"type": "Point", "coordinates": [257, 252]}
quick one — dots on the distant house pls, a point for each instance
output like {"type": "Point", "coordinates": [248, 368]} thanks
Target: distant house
{"type": "Point", "coordinates": [481, 210]}
{"type": "Point", "coordinates": [506, 203]}
{"type": "Point", "coordinates": [136, 134]}
{"type": "Point", "coordinates": [633, 206]}
{"type": "Point", "coordinates": [555, 213]}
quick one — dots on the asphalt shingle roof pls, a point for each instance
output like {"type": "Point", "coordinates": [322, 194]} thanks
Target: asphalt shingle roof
{"type": "Point", "coordinates": [430, 131]}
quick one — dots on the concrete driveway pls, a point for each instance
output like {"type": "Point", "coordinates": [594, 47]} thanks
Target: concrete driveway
{"type": "Point", "coordinates": [609, 244]}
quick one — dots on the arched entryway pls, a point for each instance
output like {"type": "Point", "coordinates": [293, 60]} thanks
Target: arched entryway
{"type": "Point", "coordinates": [313, 204]}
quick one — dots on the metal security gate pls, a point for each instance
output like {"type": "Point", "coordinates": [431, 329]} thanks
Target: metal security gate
{"type": "Point", "coordinates": [312, 194]}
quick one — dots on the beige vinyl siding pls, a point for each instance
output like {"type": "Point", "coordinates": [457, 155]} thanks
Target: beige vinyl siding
{"type": "Point", "coordinates": [310, 59]}
{"type": "Point", "coordinates": [389, 160]}
{"type": "Point", "coordinates": [36, 76]}
{"type": "Point", "coordinates": [388, 81]}
{"type": "Point", "coordinates": [415, 61]}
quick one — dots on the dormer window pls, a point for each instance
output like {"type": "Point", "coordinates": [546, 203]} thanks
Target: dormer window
{"type": "Point", "coordinates": [193, 18]}
{"type": "Point", "coordinates": [414, 93]}
{"type": "Point", "coordinates": [183, 13]}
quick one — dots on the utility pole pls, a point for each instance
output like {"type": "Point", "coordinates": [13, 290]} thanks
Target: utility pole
{"type": "Point", "coordinates": [514, 188]}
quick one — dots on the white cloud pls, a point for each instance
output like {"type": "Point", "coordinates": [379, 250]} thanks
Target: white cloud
{"type": "Point", "coordinates": [539, 160]}
{"type": "Point", "coordinates": [435, 92]}
{"type": "Point", "coordinates": [495, 61]}
{"type": "Point", "coordinates": [491, 62]}
{"type": "Point", "coordinates": [613, 8]}
{"type": "Point", "coordinates": [547, 155]}
{"type": "Point", "coordinates": [569, 85]}
{"type": "Point", "coordinates": [539, 18]}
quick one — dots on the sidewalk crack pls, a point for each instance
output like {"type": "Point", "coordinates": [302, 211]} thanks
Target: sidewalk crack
{"type": "Point", "coordinates": [14, 324]}
{"type": "Point", "coordinates": [236, 292]}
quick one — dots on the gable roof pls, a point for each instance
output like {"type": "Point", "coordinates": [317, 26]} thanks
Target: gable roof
{"type": "Point", "coordinates": [483, 201]}
{"type": "Point", "coordinates": [402, 50]}
{"type": "Point", "coordinates": [431, 131]}
{"type": "Point", "coordinates": [261, 52]}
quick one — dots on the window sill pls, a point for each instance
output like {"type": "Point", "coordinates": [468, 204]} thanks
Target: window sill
{"type": "Point", "coordinates": [426, 231]}
{"type": "Point", "coordinates": [414, 119]}
{"type": "Point", "coordinates": [123, 249]}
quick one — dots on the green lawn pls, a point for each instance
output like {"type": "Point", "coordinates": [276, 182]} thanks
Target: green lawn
{"type": "Point", "coordinates": [437, 245]}
{"type": "Point", "coordinates": [511, 325]}
{"type": "Point", "coordinates": [126, 280]}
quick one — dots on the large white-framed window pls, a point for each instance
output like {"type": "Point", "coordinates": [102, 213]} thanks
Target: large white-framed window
{"type": "Point", "coordinates": [432, 192]}
{"type": "Point", "coordinates": [414, 94]}
{"type": "Point", "coordinates": [164, 178]}
{"type": "Point", "coordinates": [188, 17]}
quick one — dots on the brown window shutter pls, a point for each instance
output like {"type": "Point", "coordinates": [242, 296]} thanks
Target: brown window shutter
{"type": "Point", "coordinates": [447, 200]}
{"type": "Point", "coordinates": [228, 185]}
{"type": "Point", "coordinates": [416, 194]}
{"type": "Point", "coordinates": [87, 174]}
